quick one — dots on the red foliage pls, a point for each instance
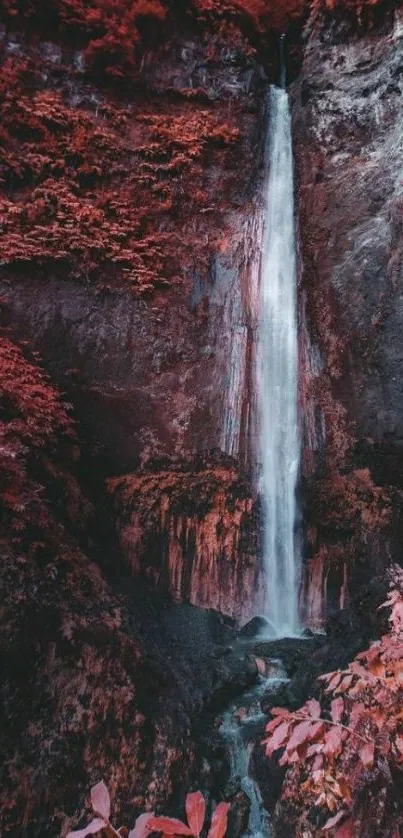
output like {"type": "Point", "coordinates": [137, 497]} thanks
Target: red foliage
{"type": "Point", "coordinates": [108, 29]}
{"type": "Point", "coordinates": [111, 31]}
{"type": "Point", "coordinates": [219, 821]}
{"type": "Point", "coordinates": [349, 502]}
{"type": "Point", "coordinates": [346, 754]}
{"type": "Point", "coordinates": [114, 33]}
{"type": "Point", "coordinates": [262, 15]}
{"type": "Point", "coordinates": [195, 812]}
{"type": "Point", "coordinates": [36, 445]}
{"type": "Point", "coordinates": [147, 823]}
{"type": "Point", "coordinates": [113, 194]}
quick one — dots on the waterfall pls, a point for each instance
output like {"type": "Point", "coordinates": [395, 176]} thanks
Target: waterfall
{"type": "Point", "coordinates": [277, 375]}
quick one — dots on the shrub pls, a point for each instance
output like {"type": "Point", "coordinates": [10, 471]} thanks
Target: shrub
{"type": "Point", "coordinates": [148, 823]}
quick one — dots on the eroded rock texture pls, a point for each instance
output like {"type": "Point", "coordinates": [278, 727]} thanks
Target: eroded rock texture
{"type": "Point", "coordinates": [347, 127]}
{"type": "Point", "coordinates": [130, 256]}
{"type": "Point", "coordinates": [195, 533]}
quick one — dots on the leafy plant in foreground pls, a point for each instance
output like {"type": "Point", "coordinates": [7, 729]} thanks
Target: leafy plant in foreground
{"type": "Point", "coordinates": [148, 823]}
{"type": "Point", "coordinates": [346, 753]}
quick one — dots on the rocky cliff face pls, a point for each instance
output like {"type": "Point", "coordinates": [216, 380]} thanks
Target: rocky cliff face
{"type": "Point", "coordinates": [194, 533]}
{"type": "Point", "coordinates": [127, 215]}
{"type": "Point", "coordinates": [129, 218]}
{"type": "Point", "coordinates": [347, 121]}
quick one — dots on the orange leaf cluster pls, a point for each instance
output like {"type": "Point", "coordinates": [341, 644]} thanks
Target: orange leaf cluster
{"type": "Point", "coordinates": [346, 753]}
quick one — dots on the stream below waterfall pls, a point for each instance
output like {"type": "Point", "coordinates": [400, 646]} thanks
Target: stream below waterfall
{"type": "Point", "coordinates": [243, 726]}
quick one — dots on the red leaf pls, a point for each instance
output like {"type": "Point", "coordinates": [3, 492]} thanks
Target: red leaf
{"type": "Point", "coordinates": [219, 821]}
{"type": "Point", "coordinates": [95, 826]}
{"type": "Point", "coordinates": [345, 683]}
{"type": "Point", "coordinates": [170, 826]}
{"type": "Point", "coordinates": [337, 709]}
{"type": "Point", "coordinates": [317, 763]}
{"type": "Point", "coordinates": [278, 738]}
{"type": "Point", "coordinates": [333, 682]}
{"type": "Point", "coordinates": [358, 710]}
{"type": "Point", "coordinates": [366, 754]}
{"type": "Point", "coordinates": [273, 724]}
{"type": "Point", "coordinates": [279, 711]}
{"type": "Point", "coordinates": [100, 800]}
{"type": "Point", "coordinates": [327, 676]}
{"type": "Point", "coordinates": [333, 741]}
{"type": "Point", "coordinates": [316, 730]}
{"type": "Point", "coordinates": [314, 708]}
{"type": "Point", "coordinates": [359, 670]}
{"type": "Point", "coordinates": [195, 811]}
{"type": "Point", "coordinates": [300, 734]}
{"type": "Point", "coordinates": [396, 618]}
{"type": "Point", "coordinates": [378, 716]}
{"type": "Point", "coordinates": [140, 829]}
{"type": "Point", "coordinates": [376, 666]}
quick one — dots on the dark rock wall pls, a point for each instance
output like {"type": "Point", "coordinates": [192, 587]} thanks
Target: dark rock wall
{"type": "Point", "coordinates": [347, 130]}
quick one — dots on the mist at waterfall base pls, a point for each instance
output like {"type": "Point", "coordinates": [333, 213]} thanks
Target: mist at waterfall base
{"type": "Point", "coordinates": [277, 371]}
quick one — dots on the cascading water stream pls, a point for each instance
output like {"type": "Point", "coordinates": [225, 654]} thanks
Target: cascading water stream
{"type": "Point", "coordinates": [277, 375]}
{"type": "Point", "coordinates": [243, 725]}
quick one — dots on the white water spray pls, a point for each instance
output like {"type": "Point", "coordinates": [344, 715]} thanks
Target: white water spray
{"type": "Point", "coordinates": [277, 375]}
